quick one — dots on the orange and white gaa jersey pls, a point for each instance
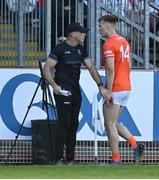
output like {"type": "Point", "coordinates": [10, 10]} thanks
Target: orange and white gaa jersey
{"type": "Point", "coordinates": [118, 48]}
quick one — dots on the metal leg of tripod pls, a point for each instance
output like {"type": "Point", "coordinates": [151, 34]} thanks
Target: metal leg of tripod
{"type": "Point", "coordinates": [46, 97]}
{"type": "Point", "coordinates": [53, 111]}
{"type": "Point", "coordinates": [30, 105]}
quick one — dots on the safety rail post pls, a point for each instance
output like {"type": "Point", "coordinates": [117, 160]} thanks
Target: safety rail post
{"type": "Point", "coordinates": [48, 29]}
{"type": "Point", "coordinates": [91, 26]}
{"type": "Point", "coordinates": [97, 36]}
{"type": "Point", "coordinates": [20, 33]}
{"type": "Point", "coordinates": [79, 12]}
{"type": "Point", "coordinates": [146, 34]}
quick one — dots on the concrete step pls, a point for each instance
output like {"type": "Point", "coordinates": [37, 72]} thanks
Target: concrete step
{"type": "Point", "coordinates": [14, 63]}
{"type": "Point", "coordinates": [6, 27]}
{"type": "Point", "coordinates": [6, 31]}
{"type": "Point", "coordinates": [27, 53]}
{"type": "Point", "coordinates": [9, 36]}
{"type": "Point", "coordinates": [13, 46]}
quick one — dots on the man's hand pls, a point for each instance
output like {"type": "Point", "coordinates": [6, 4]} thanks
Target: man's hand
{"type": "Point", "coordinates": [108, 99]}
{"type": "Point", "coordinates": [104, 92]}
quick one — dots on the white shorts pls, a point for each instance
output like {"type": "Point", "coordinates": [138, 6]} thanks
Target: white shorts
{"type": "Point", "coordinates": [121, 98]}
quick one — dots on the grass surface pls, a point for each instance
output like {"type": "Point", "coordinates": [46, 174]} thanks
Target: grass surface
{"type": "Point", "coordinates": [78, 172]}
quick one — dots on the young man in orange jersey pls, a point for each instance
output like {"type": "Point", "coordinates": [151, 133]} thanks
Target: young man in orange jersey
{"type": "Point", "coordinates": [116, 54]}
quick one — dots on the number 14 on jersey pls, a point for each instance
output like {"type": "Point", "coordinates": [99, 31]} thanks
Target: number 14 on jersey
{"type": "Point", "coordinates": [125, 53]}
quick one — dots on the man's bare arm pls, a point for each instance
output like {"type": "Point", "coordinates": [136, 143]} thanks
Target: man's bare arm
{"type": "Point", "coordinates": [95, 75]}
{"type": "Point", "coordinates": [48, 76]}
{"type": "Point", "coordinates": [110, 73]}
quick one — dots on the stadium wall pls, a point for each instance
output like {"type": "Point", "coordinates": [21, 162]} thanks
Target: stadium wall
{"type": "Point", "coordinates": [18, 86]}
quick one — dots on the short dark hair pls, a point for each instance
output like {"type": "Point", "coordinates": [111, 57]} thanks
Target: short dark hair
{"type": "Point", "coordinates": [108, 18]}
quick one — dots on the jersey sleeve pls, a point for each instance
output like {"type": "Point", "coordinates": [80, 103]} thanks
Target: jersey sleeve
{"type": "Point", "coordinates": [84, 52]}
{"type": "Point", "coordinates": [108, 50]}
{"type": "Point", "coordinates": [54, 54]}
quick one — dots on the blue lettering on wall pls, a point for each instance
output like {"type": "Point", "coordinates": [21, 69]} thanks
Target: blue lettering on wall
{"type": "Point", "coordinates": [9, 119]}
{"type": "Point", "coordinates": [86, 110]}
{"type": "Point", "coordinates": [6, 103]}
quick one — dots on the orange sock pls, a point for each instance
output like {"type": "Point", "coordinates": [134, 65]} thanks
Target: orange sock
{"type": "Point", "coordinates": [132, 142]}
{"type": "Point", "coordinates": [116, 156]}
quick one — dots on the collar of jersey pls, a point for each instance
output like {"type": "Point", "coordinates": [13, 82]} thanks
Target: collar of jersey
{"type": "Point", "coordinates": [113, 35]}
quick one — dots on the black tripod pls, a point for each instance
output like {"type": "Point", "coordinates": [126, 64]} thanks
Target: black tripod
{"type": "Point", "coordinates": [46, 102]}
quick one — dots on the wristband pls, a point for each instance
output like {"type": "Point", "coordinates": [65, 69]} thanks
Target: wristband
{"type": "Point", "coordinates": [100, 84]}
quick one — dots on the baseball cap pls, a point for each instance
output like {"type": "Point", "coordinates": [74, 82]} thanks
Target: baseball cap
{"type": "Point", "coordinates": [73, 27]}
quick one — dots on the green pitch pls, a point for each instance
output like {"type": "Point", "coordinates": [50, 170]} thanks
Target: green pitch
{"type": "Point", "coordinates": [78, 172]}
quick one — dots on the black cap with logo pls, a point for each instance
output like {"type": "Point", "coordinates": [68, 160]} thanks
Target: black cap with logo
{"type": "Point", "coordinates": [76, 27]}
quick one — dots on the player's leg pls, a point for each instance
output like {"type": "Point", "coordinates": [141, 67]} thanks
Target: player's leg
{"type": "Point", "coordinates": [110, 117]}
{"type": "Point", "coordinates": [125, 133]}
{"type": "Point", "coordinates": [63, 106]}
{"type": "Point", "coordinates": [138, 147]}
{"type": "Point", "coordinates": [71, 134]}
